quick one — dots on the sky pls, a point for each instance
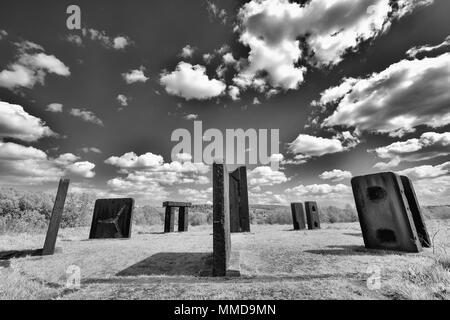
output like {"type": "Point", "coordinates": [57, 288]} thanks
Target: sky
{"type": "Point", "coordinates": [354, 87]}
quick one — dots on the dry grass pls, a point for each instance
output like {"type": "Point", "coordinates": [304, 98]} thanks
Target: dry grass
{"type": "Point", "coordinates": [276, 263]}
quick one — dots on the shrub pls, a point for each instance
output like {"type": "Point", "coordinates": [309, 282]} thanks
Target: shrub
{"type": "Point", "coordinates": [23, 211]}
{"type": "Point", "coordinates": [198, 218]}
{"type": "Point", "coordinates": [148, 215]}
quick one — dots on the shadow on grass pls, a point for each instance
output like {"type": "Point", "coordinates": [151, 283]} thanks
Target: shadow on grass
{"type": "Point", "coordinates": [352, 251]}
{"type": "Point", "coordinates": [151, 232]}
{"type": "Point", "coordinates": [12, 254]}
{"type": "Point", "coordinates": [171, 264]}
{"type": "Point", "coordinates": [357, 234]}
{"type": "Point", "coordinates": [5, 264]}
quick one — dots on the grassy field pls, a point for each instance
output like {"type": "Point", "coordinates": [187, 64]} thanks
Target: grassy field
{"type": "Point", "coordinates": [276, 263]}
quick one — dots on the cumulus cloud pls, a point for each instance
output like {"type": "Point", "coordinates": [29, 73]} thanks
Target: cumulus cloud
{"type": "Point", "coordinates": [428, 146]}
{"type": "Point", "coordinates": [233, 92]}
{"type": "Point", "coordinates": [203, 196]}
{"type": "Point", "coordinates": [427, 171]}
{"type": "Point", "coordinates": [136, 75]}
{"type": "Point", "coordinates": [319, 191]}
{"type": "Point", "coordinates": [3, 34]}
{"type": "Point", "coordinates": [122, 99]}
{"type": "Point", "coordinates": [191, 82]}
{"type": "Point", "coordinates": [417, 52]}
{"type": "Point", "coordinates": [83, 169]}
{"type": "Point", "coordinates": [276, 30]}
{"type": "Point", "coordinates": [16, 123]}
{"type": "Point", "coordinates": [75, 39]}
{"type": "Point", "coordinates": [207, 57]}
{"type": "Point", "coordinates": [28, 165]}
{"type": "Point", "coordinates": [266, 197]}
{"type": "Point", "coordinates": [14, 151]}
{"type": "Point", "coordinates": [265, 176]}
{"type": "Point", "coordinates": [228, 59]}
{"type": "Point", "coordinates": [433, 191]}
{"type": "Point", "coordinates": [147, 172]}
{"type": "Point", "coordinates": [132, 160]}
{"type": "Point", "coordinates": [407, 94]}
{"type": "Point", "coordinates": [91, 149]}
{"type": "Point", "coordinates": [31, 67]}
{"type": "Point", "coordinates": [121, 42]}
{"type": "Point", "coordinates": [335, 175]}
{"type": "Point", "coordinates": [118, 42]}
{"type": "Point", "coordinates": [311, 146]}
{"type": "Point", "coordinates": [54, 107]}
{"type": "Point", "coordinates": [215, 12]}
{"type": "Point", "coordinates": [187, 51]}
{"type": "Point", "coordinates": [191, 116]}
{"type": "Point", "coordinates": [86, 115]}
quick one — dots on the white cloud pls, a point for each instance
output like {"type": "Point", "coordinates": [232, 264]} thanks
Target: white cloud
{"type": "Point", "coordinates": [151, 168]}
{"type": "Point", "coordinates": [427, 171]}
{"type": "Point", "coordinates": [428, 146]}
{"type": "Point", "coordinates": [256, 101]}
{"type": "Point", "coordinates": [54, 107]}
{"type": "Point", "coordinates": [207, 57]}
{"type": "Point", "coordinates": [191, 82]}
{"type": "Point", "coordinates": [120, 42]}
{"type": "Point", "coordinates": [187, 51]}
{"type": "Point", "coordinates": [265, 176]}
{"type": "Point", "coordinates": [229, 59]}
{"type": "Point", "coordinates": [215, 12]}
{"type": "Point", "coordinates": [191, 116]}
{"type": "Point", "coordinates": [83, 169]}
{"type": "Point", "coordinates": [383, 101]}
{"type": "Point", "coordinates": [117, 43]}
{"type": "Point", "coordinates": [234, 93]}
{"type": "Point", "coordinates": [311, 146]}
{"type": "Point", "coordinates": [197, 196]}
{"type": "Point", "coordinates": [183, 157]}
{"type": "Point", "coordinates": [14, 151]}
{"type": "Point", "coordinates": [91, 149]}
{"type": "Point", "coordinates": [407, 6]}
{"type": "Point", "coordinates": [136, 75]}
{"type": "Point", "coordinates": [433, 191]}
{"type": "Point", "coordinates": [86, 115]}
{"type": "Point", "coordinates": [123, 100]}
{"type": "Point", "coordinates": [75, 39]}
{"type": "Point", "coordinates": [266, 197]}
{"type": "Point", "coordinates": [31, 67]}
{"type": "Point", "coordinates": [276, 157]}
{"type": "Point", "coordinates": [319, 191]}
{"type": "Point", "coordinates": [425, 49]}
{"type": "Point", "coordinates": [335, 175]}
{"type": "Point", "coordinates": [132, 160]}
{"type": "Point", "coordinates": [20, 165]}
{"type": "Point", "coordinates": [3, 34]}
{"type": "Point", "coordinates": [16, 123]}
{"type": "Point", "coordinates": [275, 29]}
{"type": "Point", "coordinates": [220, 71]}
{"type": "Point", "coordinates": [149, 174]}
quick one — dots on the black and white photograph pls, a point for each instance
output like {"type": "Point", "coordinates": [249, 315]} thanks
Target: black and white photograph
{"type": "Point", "coordinates": [224, 155]}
